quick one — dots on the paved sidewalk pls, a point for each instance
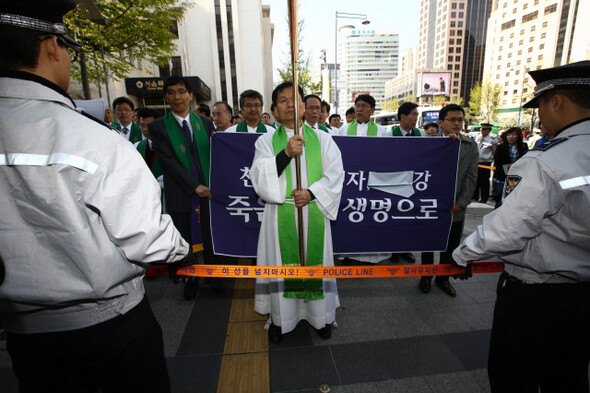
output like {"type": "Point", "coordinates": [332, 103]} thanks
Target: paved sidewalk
{"type": "Point", "coordinates": [390, 337]}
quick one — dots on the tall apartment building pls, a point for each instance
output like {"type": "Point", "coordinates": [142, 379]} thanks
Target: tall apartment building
{"type": "Point", "coordinates": [224, 47]}
{"type": "Point", "coordinates": [452, 37]}
{"type": "Point", "coordinates": [526, 35]}
{"type": "Point", "coordinates": [368, 58]}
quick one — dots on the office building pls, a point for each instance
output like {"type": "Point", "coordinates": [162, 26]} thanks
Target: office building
{"type": "Point", "coordinates": [368, 58]}
{"type": "Point", "coordinates": [452, 37]}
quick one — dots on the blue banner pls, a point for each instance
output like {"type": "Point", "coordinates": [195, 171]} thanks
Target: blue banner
{"type": "Point", "coordinates": [396, 196]}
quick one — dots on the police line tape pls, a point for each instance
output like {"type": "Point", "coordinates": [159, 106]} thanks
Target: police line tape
{"type": "Point", "coordinates": [487, 167]}
{"type": "Point", "coordinates": [380, 271]}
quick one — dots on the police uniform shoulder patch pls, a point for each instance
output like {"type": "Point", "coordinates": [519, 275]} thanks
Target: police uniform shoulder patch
{"type": "Point", "coordinates": [511, 183]}
{"type": "Point", "coordinates": [549, 144]}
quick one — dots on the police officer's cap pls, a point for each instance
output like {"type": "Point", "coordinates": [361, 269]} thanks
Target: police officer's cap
{"type": "Point", "coordinates": [486, 125]}
{"type": "Point", "coordinates": [569, 75]}
{"type": "Point", "coordinates": [40, 15]}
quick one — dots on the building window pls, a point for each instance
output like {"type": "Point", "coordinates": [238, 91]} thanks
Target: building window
{"type": "Point", "coordinates": [540, 57]}
{"type": "Point", "coordinates": [457, 67]}
{"type": "Point", "coordinates": [453, 14]}
{"type": "Point", "coordinates": [508, 24]}
{"type": "Point", "coordinates": [545, 24]}
{"type": "Point", "coordinates": [550, 9]}
{"type": "Point", "coordinates": [525, 6]}
{"type": "Point", "coordinates": [451, 49]}
{"type": "Point", "coordinates": [456, 75]}
{"type": "Point", "coordinates": [176, 70]}
{"type": "Point", "coordinates": [457, 58]}
{"type": "Point", "coordinates": [459, 41]}
{"type": "Point", "coordinates": [455, 91]}
{"type": "Point", "coordinates": [499, 66]}
{"type": "Point", "coordinates": [543, 35]}
{"type": "Point", "coordinates": [456, 83]}
{"type": "Point", "coordinates": [531, 49]}
{"type": "Point", "coordinates": [460, 23]}
{"type": "Point", "coordinates": [462, 6]}
{"type": "Point", "coordinates": [522, 32]}
{"type": "Point", "coordinates": [453, 24]}
{"type": "Point", "coordinates": [542, 46]}
{"type": "Point", "coordinates": [510, 45]}
{"type": "Point", "coordinates": [453, 6]}
{"type": "Point", "coordinates": [507, 74]}
{"type": "Point", "coordinates": [514, 91]}
{"type": "Point", "coordinates": [452, 32]}
{"type": "Point", "coordinates": [520, 42]}
{"type": "Point", "coordinates": [450, 67]}
{"type": "Point", "coordinates": [497, 76]}
{"type": "Point", "coordinates": [533, 28]}
{"type": "Point", "coordinates": [451, 41]}
{"type": "Point", "coordinates": [506, 83]}
{"type": "Point", "coordinates": [519, 52]}
{"type": "Point", "coordinates": [530, 17]}
{"type": "Point", "coordinates": [499, 57]}
{"type": "Point", "coordinates": [450, 58]}
{"type": "Point", "coordinates": [509, 55]}
{"type": "Point", "coordinates": [505, 93]}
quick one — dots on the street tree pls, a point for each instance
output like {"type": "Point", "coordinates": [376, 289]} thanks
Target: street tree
{"type": "Point", "coordinates": [303, 66]}
{"type": "Point", "coordinates": [485, 100]}
{"type": "Point", "coordinates": [135, 31]}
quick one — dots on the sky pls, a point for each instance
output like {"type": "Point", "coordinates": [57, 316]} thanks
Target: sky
{"type": "Point", "coordinates": [401, 16]}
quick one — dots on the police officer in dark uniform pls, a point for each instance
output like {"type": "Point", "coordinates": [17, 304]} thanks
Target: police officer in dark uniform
{"type": "Point", "coordinates": [541, 327]}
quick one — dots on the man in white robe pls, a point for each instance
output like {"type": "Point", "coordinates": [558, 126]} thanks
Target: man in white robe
{"type": "Point", "coordinates": [269, 173]}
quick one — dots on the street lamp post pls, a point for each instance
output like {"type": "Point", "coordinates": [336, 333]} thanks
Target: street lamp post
{"type": "Point", "coordinates": [342, 15]}
{"type": "Point", "coordinates": [521, 93]}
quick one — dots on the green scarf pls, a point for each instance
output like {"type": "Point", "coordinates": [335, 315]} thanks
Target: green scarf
{"type": "Point", "coordinates": [397, 131]}
{"type": "Point", "coordinates": [308, 289]}
{"type": "Point", "coordinates": [372, 131]}
{"type": "Point", "coordinates": [323, 128]}
{"type": "Point", "coordinates": [181, 146]}
{"type": "Point", "coordinates": [135, 133]}
{"type": "Point", "coordinates": [156, 167]}
{"type": "Point", "coordinates": [243, 127]}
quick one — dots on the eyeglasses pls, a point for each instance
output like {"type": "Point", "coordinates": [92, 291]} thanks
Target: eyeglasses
{"type": "Point", "coordinates": [455, 119]}
{"type": "Point", "coordinates": [119, 109]}
{"type": "Point", "coordinates": [73, 50]}
{"type": "Point", "coordinates": [172, 92]}
{"type": "Point", "coordinates": [362, 106]}
{"type": "Point", "coordinates": [250, 106]}
{"type": "Point", "coordinates": [313, 108]}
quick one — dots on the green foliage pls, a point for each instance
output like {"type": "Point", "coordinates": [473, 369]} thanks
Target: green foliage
{"type": "Point", "coordinates": [303, 65]}
{"type": "Point", "coordinates": [136, 30]}
{"type": "Point", "coordinates": [485, 100]}
{"type": "Point", "coordinates": [391, 105]}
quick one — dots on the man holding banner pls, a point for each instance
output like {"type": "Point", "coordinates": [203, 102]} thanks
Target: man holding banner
{"type": "Point", "coordinates": [289, 301]}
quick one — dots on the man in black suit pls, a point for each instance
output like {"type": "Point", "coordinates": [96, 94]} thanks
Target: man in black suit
{"type": "Point", "coordinates": [181, 143]}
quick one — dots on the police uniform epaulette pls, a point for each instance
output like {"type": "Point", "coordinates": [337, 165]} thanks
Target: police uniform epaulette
{"type": "Point", "coordinates": [549, 144]}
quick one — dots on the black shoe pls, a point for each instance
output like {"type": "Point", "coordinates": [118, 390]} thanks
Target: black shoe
{"type": "Point", "coordinates": [394, 258]}
{"type": "Point", "coordinates": [325, 332]}
{"type": "Point", "coordinates": [191, 288]}
{"type": "Point", "coordinates": [425, 284]}
{"type": "Point", "coordinates": [447, 287]}
{"type": "Point", "coordinates": [409, 257]}
{"type": "Point", "coordinates": [274, 334]}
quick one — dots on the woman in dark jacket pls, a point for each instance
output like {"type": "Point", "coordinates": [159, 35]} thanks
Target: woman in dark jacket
{"type": "Point", "coordinates": [510, 150]}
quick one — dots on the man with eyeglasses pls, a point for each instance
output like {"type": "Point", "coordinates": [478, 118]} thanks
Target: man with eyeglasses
{"type": "Point", "coordinates": [181, 143]}
{"type": "Point", "coordinates": [362, 125]}
{"type": "Point", "coordinates": [364, 107]}
{"type": "Point", "coordinates": [312, 112]}
{"type": "Point", "coordinates": [450, 119]}
{"type": "Point", "coordinates": [80, 221]}
{"type": "Point", "coordinates": [124, 111]}
{"type": "Point", "coordinates": [251, 107]}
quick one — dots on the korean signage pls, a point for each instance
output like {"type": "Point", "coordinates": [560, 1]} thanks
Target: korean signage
{"type": "Point", "coordinates": [396, 196]}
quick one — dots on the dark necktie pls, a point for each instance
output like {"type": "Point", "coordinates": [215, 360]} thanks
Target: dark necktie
{"type": "Point", "coordinates": [125, 130]}
{"type": "Point", "coordinates": [187, 133]}
{"type": "Point", "coordinates": [410, 133]}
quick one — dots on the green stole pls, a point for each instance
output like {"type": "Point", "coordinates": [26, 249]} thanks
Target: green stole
{"type": "Point", "coordinates": [323, 128]}
{"type": "Point", "coordinates": [243, 127]}
{"type": "Point", "coordinates": [397, 131]}
{"type": "Point", "coordinates": [135, 133]}
{"type": "Point", "coordinates": [156, 167]}
{"type": "Point", "coordinates": [372, 131]}
{"type": "Point", "coordinates": [180, 144]}
{"type": "Point", "coordinates": [308, 289]}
